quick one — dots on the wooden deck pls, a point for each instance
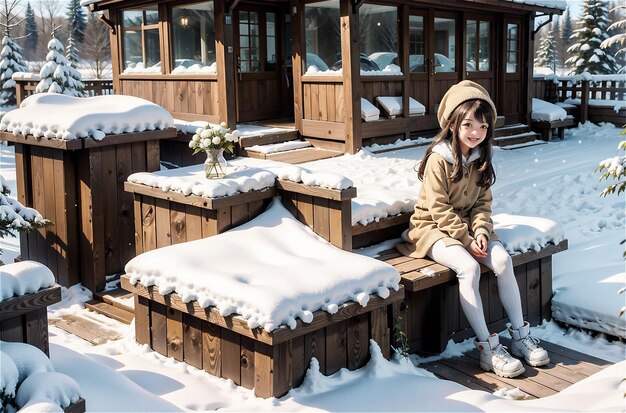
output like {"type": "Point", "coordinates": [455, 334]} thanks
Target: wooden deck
{"type": "Point", "coordinates": [566, 367]}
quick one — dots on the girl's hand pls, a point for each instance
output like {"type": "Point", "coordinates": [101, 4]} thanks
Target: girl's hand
{"type": "Point", "coordinates": [476, 249]}
{"type": "Point", "coordinates": [483, 243]}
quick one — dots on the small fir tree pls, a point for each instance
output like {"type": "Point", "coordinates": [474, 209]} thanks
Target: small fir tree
{"type": "Point", "coordinates": [77, 20]}
{"type": "Point", "coordinates": [32, 32]}
{"type": "Point", "coordinates": [567, 31]}
{"type": "Point", "coordinates": [547, 53]}
{"type": "Point", "coordinates": [10, 62]}
{"type": "Point", "coordinates": [57, 75]}
{"type": "Point", "coordinates": [16, 217]}
{"type": "Point", "coordinates": [587, 55]}
{"type": "Point", "coordinates": [71, 51]}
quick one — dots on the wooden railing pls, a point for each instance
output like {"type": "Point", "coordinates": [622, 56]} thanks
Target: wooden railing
{"type": "Point", "coordinates": [569, 88]}
{"type": "Point", "coordinates": [94, 87]}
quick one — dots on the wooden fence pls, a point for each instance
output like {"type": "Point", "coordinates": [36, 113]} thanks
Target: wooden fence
{"type": "Point", "coordinates": [95, 87]}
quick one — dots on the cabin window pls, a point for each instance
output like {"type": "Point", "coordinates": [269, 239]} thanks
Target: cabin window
{"type": "Point", "coordinates": [378, 36]}
{"type": "Point", "coordinates": [140, 40]}
{"type": "Point", "coordinates": [417, 49]}
{"type": "Point", "coordinates": [249, 41]}
{"type": "Point", "coordinates": [477, 47]}
{"type": "Point", "coordinates": [323, 36]}
{"type": "Point", "coordinates": [512, 48]}
{"type": "Point", "coordinates": [445, 45]}
{"type": "Point", "coordinates": [193, 38]}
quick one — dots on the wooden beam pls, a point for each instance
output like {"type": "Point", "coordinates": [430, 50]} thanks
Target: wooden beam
{"type": "Point", "coordinates": [230, 5]}
{"type": "Point", "coordinates": [224, 50]}
{"type": "Point", "coordinates": [349, 23]}
{"type": "Point", "coordinates": [104, 19]}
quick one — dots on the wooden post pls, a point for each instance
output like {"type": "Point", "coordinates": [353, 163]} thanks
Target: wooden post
{"type": "Point", "coordinates": [297, 50]}
{"type": "Point", "coordinates": [404, 52]}
{"type": "Point", "coordinates": [224, 51]}
{"type": "Point", "coordinates": [526, 59]}
{"type": "Point", "coordinates": [349, 22]}
{"type": "Point", "coordinates": [584, 101]}
{"type": "Point", "coordinates": [115, 39]}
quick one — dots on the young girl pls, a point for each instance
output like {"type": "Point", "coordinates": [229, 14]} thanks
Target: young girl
{"type": "Point", "coordinates": [452, 223]}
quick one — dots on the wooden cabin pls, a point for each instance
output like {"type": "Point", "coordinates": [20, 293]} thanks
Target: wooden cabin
{"type": "Point", "coordinates": [239, 61]}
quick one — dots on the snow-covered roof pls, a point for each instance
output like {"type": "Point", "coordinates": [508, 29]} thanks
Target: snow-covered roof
{"type": "Point", "coordinates": [52, 115]}
{"type": "Point", "coordinates": [261, 285]}
{"type": "Point", "coordinates": [552, 4]}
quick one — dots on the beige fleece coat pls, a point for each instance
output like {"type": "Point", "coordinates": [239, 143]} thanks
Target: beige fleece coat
{"type": "Point", "coordinates": [453, 211]}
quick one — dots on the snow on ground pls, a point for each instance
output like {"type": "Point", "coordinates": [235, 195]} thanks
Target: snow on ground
{"type": "Point", "coordinates": [554, 181]}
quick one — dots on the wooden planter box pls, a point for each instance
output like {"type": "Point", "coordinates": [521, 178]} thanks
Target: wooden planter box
{"type": "Point", "coordinates": [24, 319]}
{"type": "Point", "coordinates": [270, 363]}
{"type": "Point", "coordinates": [78, 185]}
{"type": "Point", "coordinates": [166, 218]}
{"type": "Point", "coordinates": [433, 314]}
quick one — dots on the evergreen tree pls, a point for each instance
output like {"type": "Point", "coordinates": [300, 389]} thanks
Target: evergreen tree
{"type": "Point", "coordinates": [77, 20]}
{"type": "Point", "coordinates": [567, 31]}
{"type": "Point", "coordinates": [616, 43]}
{"type": "Point", "coordinates": [587, 56]}
{"type": "Point", "coordinates": [57, 75]}
{"type": "Point", "coordinates": [32, 32]}
{"type": "Point", "coordinates": [71, 51]}
{"type": "Point", "coordinates": [547, 54]}
{"type": "Point", "coordinates": [10, 62]}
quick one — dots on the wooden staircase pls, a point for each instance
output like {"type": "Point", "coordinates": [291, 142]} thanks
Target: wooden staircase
{"type": "Point", "coordinates": [515, 134]}
{"type": "Point", "coordinates": [111, 304]}
{"type": "Point", "coordinates": [251, 147]}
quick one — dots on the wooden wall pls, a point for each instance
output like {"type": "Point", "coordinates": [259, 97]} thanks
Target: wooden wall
{"type": "Point", "coordinates": [191, 99]}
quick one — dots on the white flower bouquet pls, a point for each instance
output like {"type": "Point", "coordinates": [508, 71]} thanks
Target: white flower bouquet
{"type": "Point", "coordinates": [214, 138]}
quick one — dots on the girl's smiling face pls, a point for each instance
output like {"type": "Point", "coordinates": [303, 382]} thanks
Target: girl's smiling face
{"type": "Point", "coordinates": [471, 133]}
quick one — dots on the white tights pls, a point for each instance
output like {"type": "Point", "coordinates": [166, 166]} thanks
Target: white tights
{"type": "Point", "coordinates": [467, 270]}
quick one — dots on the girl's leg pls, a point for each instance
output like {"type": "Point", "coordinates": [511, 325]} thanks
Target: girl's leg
{"type": "Point", "coordinates": [500, 263]}
{"type": "Point", "coordinates": [468, 273]}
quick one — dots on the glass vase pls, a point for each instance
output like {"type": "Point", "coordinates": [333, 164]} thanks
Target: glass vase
{"type": "Point", "coordinates": [215, 164]}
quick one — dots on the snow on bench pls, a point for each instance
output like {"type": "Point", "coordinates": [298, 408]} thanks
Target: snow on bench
{"type": "Point", "coordinates": [369, 112]}
{"type": "Point", "coordinates": [547, 117]}
{"type": "Point", "coordinates": [270, 289]}
{"type": "Point", "coordinates": [393, 106]}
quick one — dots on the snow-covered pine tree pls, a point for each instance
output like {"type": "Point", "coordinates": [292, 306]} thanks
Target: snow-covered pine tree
{"type": "Point", "coordinates": [16, 217]}
{"type": "Point", "coordinates": [547, 54]}
{"type": "Point", "coordinates": [71, 51]}
{"type": "Point", "coordinates": [32, 32]}
{"type": "Point", "coordinates": [77, 20]}
{"type": "Point", "coordinates": [10, 62]}
{"type": "Point", "coordinates": [587, 55]}
{"type": "Point", "coordinates": [57, 75]}
{"type": "Point", "coordinates": [617, 33]}
{"type": "Point", "coordinates": [567, 30]}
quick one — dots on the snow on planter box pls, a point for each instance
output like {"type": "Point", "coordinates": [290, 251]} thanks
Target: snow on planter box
{"type": "Point", "coordinates": [72, 157]}
{"type": "Point", "coordinates": [178, 205]}
{"type": "Point", "coordinates": [27, 288]}
{"type": "Point", "coordinates": [256, 303]}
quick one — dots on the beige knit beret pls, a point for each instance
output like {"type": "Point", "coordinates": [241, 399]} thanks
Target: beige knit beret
{"type": "Point", "coordinates": [459, 93]}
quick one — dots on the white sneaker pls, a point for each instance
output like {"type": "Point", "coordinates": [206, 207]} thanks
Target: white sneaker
{"type": "Point", "coordinates": [494, 357]}
{"type": "Point", "coordinates": [524, 345]}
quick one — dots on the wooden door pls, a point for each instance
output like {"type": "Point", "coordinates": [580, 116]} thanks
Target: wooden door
{"type": "Point", "coordinates": [445, 55]}
{"type": "Point", "coordinates": [510, 101]}
{"type": "Point", "coordinates": [480, 51]}
{"type": "Point", "coordinates": [260, 62]}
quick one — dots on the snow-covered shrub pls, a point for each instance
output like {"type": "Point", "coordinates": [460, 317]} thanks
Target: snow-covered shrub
{"type": "Point", "coordinates": [9, 375]}
{"type": "Point", "coordinates": [16, 217]}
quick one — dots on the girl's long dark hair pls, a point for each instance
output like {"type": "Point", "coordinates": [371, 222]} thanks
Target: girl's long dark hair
{"type": "Point", "coordinates": [482, 111]}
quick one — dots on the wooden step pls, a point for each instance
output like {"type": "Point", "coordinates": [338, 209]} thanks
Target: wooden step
{"type": "Point", "coordinates": [88, 329]}
{"type": "Point", "coordinates": [514, 129]}
{"type": "Point", "coordinates": [264, 139]}
{"type": "Point", "coordinates": [302, 155]}
{"type": "Point", "coordinates": [114, 297]}
{"type": "Point", "coordinates": [110, 311]}
{"type": "Point", "coordinates": [516, 139]}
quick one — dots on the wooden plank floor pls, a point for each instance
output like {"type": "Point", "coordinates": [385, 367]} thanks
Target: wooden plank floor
{"type": "Point", "coordinates": [566, 367]}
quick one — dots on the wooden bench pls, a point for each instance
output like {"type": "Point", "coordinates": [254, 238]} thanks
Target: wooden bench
{"type": "Point", "coordinates": [546, 128]}
{"type": "Point", "coordinates": [432, 312]}
{"type": "Point", "coordinates": [24, 319]}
